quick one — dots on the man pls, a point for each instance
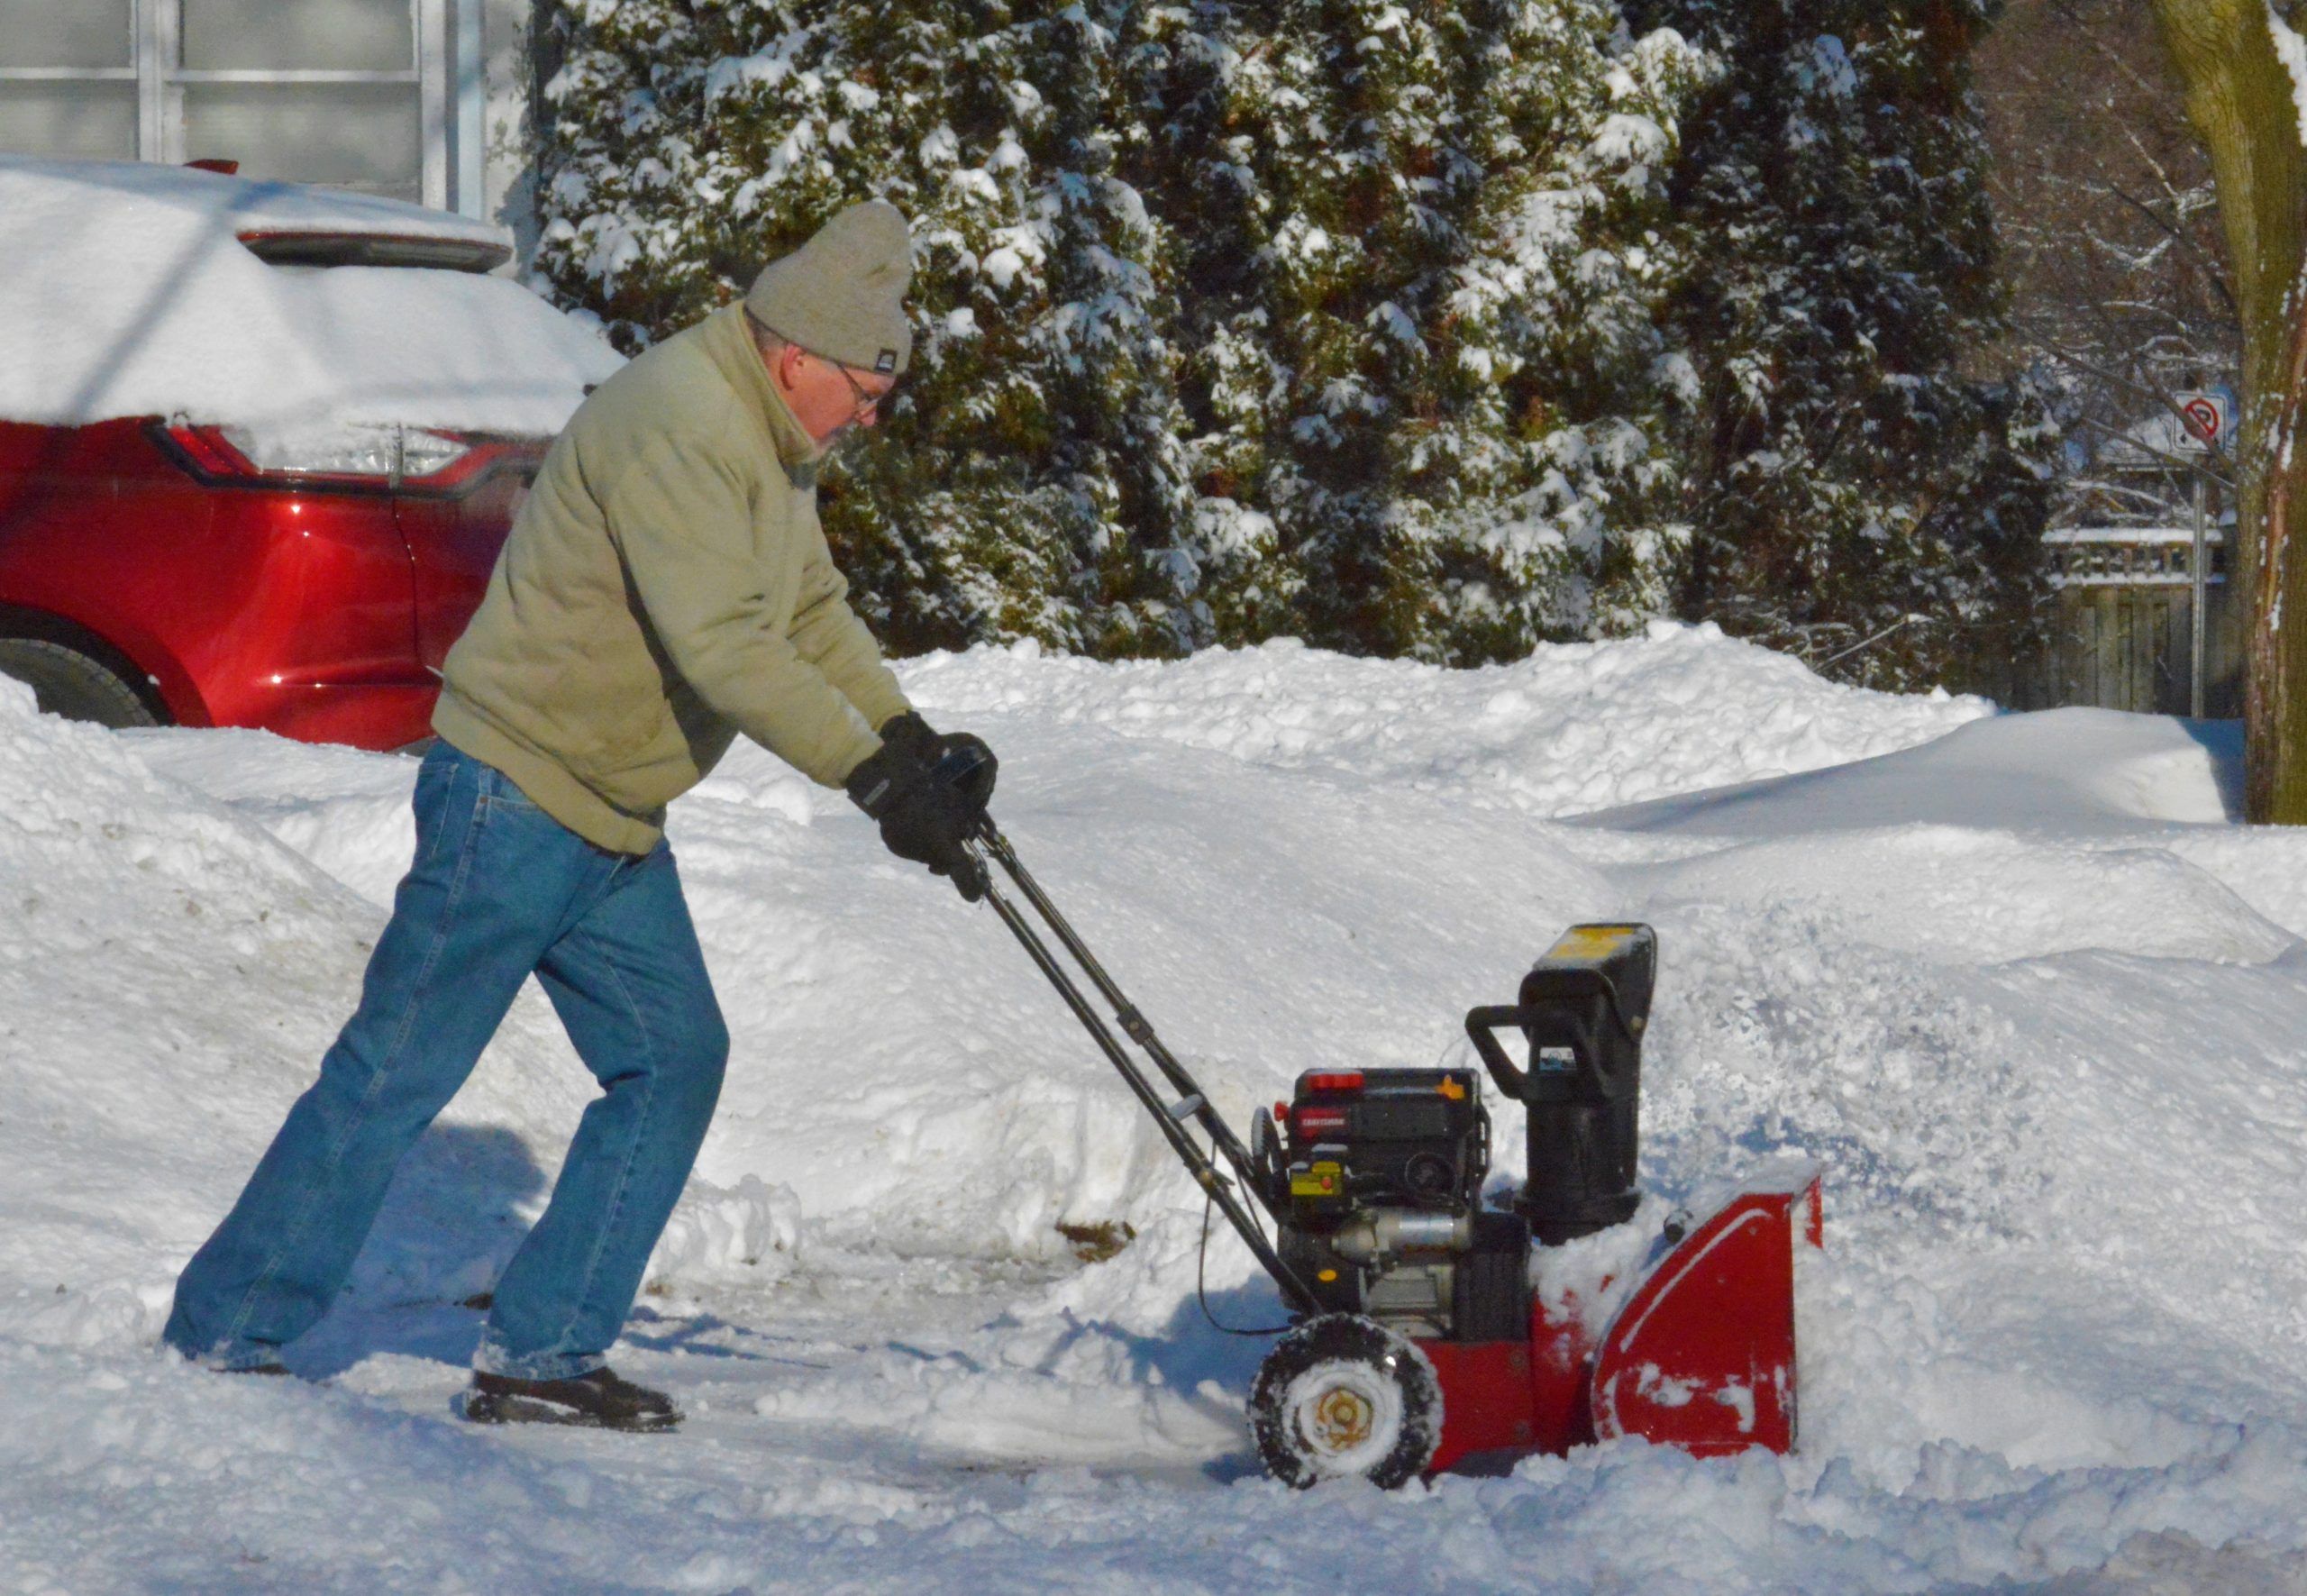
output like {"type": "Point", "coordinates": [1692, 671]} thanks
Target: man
{"type": "Point", "coordinates": [665, 587]}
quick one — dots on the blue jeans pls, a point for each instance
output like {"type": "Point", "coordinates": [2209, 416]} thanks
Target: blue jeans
{"type": "Point", "coordinates": [499, 888]}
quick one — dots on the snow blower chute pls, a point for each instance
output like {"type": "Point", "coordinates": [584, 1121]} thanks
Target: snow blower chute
{"type": "Point", "coordinates": [1418, 1343]}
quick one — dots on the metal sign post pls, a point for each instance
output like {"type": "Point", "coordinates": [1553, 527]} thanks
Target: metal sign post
{"type": "Point", "coordinates": [2204, 421]}
{"type": "Point", "coordinates": [2196, 630]}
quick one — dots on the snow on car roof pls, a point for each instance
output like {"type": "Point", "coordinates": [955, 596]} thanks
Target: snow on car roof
{"type": "Point", "coordinates": [260, 207]}
{"type": "Point", "coordinates": [126, 290]}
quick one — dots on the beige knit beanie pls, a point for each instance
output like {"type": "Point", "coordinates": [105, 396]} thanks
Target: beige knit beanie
{"type": "Point", "coordinates": [842, 294]}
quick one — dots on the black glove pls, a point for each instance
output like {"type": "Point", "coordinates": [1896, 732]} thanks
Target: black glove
{"type": "Point", "coordinates": [960, 759]}
{"type": "Point", "coordinates": [926, 821]}
{"type": "Point", "coordinates": [966, 765]}
{"type": "Point", "coordinates": [910, 736]}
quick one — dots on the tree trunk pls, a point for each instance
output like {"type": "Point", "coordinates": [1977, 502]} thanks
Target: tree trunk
{"type": "Point", "coordinates": [2239, 97]}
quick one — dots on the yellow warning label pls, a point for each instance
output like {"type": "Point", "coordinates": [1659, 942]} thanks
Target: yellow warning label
{"type": "Point", "coordinates": [1590, 944]}
{"type": "Point", "coordinates": [1321, 1179]}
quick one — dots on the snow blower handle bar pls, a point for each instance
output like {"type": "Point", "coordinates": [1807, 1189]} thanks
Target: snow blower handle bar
{"type": "Point", "coordinates": [1553, 1001]}
{"type": "Point", "coordinates": [1193, 1104]}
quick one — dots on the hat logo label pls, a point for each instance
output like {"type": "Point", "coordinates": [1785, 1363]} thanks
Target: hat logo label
{"type": "Point", "coordinates": [887, 361]}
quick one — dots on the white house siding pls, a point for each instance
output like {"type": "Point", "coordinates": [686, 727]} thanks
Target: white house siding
{"type": "Point", "coordinates": [510, 29]}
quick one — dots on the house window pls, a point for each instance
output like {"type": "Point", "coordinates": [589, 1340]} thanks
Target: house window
{"type": "Point", "coordinates": [350, 92]}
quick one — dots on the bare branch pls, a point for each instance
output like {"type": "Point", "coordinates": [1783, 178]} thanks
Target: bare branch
{"type": "Point", "coordinates": [2176, 462]}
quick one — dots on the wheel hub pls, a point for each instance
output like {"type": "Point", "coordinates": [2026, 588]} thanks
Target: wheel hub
{"type": "Point", "coordinates": [1340, 1420]}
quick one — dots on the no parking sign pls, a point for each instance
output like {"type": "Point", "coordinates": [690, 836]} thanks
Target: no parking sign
{"type": "Point", "coordinates": [2206, 420]}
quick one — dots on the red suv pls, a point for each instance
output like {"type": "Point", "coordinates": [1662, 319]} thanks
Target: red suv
{"type": "Point", "coordinates": [258, 476]}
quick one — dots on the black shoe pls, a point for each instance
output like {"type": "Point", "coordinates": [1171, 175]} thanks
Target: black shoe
{"type": "Point", "coordinates": [601, 1400]}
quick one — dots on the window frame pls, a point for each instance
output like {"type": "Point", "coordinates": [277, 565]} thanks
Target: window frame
{"type": "Point", "coordinates": [155, 48]}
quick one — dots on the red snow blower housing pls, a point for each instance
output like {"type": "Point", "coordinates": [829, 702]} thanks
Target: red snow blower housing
{"type": "Point", "coordinates": [1420, 1342]}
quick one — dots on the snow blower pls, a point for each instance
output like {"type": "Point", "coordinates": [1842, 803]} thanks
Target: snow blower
{"type": "Point", "coordinates": [1417, 1341]}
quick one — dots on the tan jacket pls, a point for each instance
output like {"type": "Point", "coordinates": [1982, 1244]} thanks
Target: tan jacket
{"type": "Point", "coordinates": [665, 587]}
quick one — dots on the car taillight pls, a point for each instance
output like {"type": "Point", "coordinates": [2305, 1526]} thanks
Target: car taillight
{"type": "Point", "coordinates": [432, 457]}
{"type": "Point", "coordinates": [357, 457]}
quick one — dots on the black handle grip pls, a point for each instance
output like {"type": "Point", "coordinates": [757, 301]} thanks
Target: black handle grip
{"type": "Point", "coordinates": [966, 766]}
{"type": "Point", "coordinates": [1482, 1025]}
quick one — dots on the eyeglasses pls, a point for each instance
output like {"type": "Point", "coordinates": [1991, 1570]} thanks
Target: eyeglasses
{"type": "Point", "coordinates": [862, 400]}
{"type": "Point", "coordinates": [865, 400]}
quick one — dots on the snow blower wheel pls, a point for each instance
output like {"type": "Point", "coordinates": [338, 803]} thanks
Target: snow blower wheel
{"type": "Point", "coordinates": [1342, 1397]}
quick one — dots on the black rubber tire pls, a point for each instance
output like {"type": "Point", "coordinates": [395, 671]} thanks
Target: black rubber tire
{"type": "Point", "coordinates": [1344, 1357]}
{"type": "Point", "coordinates": [77, 686]}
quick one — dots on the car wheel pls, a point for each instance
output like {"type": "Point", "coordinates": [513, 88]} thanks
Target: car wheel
{"type": "Point", "coordinates": [66, 682]}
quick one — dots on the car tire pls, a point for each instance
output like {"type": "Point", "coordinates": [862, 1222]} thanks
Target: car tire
{"type": "Point", "coordinates": [77, 686]}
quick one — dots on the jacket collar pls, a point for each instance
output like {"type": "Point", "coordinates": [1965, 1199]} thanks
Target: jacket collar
{"type": "Point", "coordinates": [730, 342]}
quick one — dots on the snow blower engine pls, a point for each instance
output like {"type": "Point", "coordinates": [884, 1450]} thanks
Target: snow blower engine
{"type": "Point", "coordinates": [1431, 1330]}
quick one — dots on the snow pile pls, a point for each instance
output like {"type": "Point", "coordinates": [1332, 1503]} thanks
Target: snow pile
{"type": "Point", "coordinates": [169, 975]}
{"type": "Point", "coordinates": [130, 294]}
{"type": "Point", "coordinates": [747, 1235]}
{"type": "Point", "coordinates": [2029, 998]}
{"type": "Point", "coordinates": [1580, 726]}
{"type": "Point", "coordinates": [2091, 770]}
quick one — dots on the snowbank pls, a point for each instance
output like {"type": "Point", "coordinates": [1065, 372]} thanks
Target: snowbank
{"type": "Point", "coordinates": [2062, 770]}
{"type": "Point", "coordinates": [1581, 726]}
{"type": "Point", "coordinates": [168, 972]}
{"type": "Point", "coordinates": [129, 293]}
{"type": "Point", "coordinates": [2033, 1002]}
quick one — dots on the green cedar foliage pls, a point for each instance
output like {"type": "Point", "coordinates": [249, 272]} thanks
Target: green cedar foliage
{"type": "Point", "coordinates": [1861, 500]}
{"type": "Point", "coordinates": [1420, 260]}
{"type": "Point", "coordinates": [1333, 318]}
{"type": "Point", "coordinates": [1432, 329]}
{"type": "Point", "coordinates": [1027, 482]}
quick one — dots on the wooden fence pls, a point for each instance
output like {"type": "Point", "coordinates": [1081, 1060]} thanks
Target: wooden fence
{"type": "Point", "coordinates": [2122, 638]}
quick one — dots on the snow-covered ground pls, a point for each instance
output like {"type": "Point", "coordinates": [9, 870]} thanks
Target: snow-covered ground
{"type": "Point", "coordinates": [2039, 1007]}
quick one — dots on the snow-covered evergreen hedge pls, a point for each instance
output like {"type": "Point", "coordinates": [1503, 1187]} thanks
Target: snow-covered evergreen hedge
{"type": "Point", "coordinates": [1361, 321]}
{"type": "Point", "coordinates": [1029, 480]}
{"type": "Point", "coordinates": [1863, 496]}
{"type": "Point", "coordinates": [1235, 320]}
